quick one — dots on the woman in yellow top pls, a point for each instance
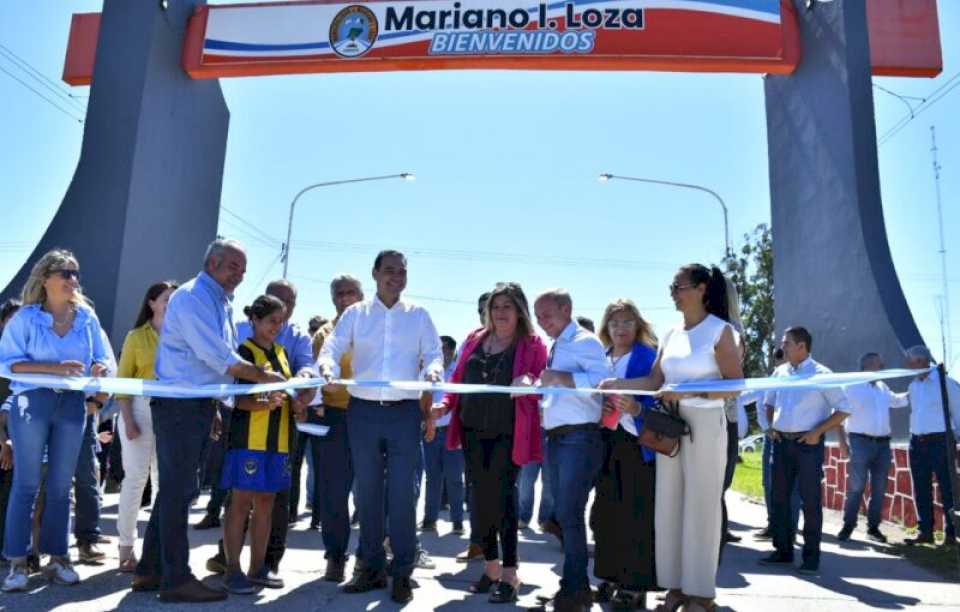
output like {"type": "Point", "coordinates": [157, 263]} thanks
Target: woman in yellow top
{"type": "Point", "coordinates": [257, 464]}
{"type": "Point", "coordinates": [138, 445]}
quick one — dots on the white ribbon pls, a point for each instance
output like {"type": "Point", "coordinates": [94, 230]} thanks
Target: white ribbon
{"type": "Point", "coordinates": [152, 388]}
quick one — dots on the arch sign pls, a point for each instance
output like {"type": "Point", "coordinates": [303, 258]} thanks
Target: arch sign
{"type": "Point", "coordinates": [758, 36]}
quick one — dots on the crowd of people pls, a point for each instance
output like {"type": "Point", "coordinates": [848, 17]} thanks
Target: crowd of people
{"type": "Point", "coordinates": [658, 520]}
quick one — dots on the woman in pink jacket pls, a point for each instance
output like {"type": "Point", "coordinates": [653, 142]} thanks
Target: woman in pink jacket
{"type": "Point", "coordinates": [498, 433]}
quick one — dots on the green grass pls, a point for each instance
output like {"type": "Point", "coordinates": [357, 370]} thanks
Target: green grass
{"type": "Point", "coordinates": [747, 479]}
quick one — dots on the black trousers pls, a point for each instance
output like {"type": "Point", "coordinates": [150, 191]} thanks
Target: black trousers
{"type": "Point", "coordinates": [733, 452]}
{"type": "Point", "coordinates": [493, 516]}
{"type": "Point", "coordinates": [800, 464]}
{"type": "Point", "coordinates": [6, 482]}
{"type": "Point", "coordinates": [623, 514]}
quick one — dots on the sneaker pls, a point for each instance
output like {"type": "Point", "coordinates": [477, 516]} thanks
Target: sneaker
{"type": "Point", "coordinates": [458, 528]}
{"type": "Point", "coordinates": [90, 553]}
{"type": "Point", "coordinates": [875, 535]}
{"type": "Point", "coordinates": [844, 534]}
{"type": "Point", "coordinates": [266, 578]}
{"type": "Point", "coordinates": [423, 560]}
{"type": "Point", "coordinates": [428, 526]}
{"type": "Point", "coordinates": [17, 579]}
{"type": "Point", "coordinates": [237, 583]}
{"type": "Point", "coordinates": [208, 521]}
{"type": "Point", "coordinates": [60, 571]}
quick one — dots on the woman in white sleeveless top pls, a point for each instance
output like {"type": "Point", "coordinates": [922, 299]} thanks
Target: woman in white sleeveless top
{"type": "Point", "coordinates": [690, 485]}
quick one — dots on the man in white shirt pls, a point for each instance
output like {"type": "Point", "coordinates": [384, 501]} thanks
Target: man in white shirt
{"type": "Point", "coordinates": [928, 444]}
{"type": "Point", "coordinates": [800, 419]}
{"type": "Point", "coordinates": [576, 359]}
{"type": "Point", "coordinates": [389, 339]}
{"type": "Point", "coordinates": [869, 448]}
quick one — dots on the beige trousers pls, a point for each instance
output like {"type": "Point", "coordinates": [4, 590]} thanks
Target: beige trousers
{"type": "Point", "coordinates": [687, 519]}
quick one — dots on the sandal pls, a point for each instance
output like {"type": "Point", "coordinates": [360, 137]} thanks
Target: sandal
{"type": "Point", "coordinates": [672, 602]}
{"type": "Point", "coordinates": [483, 585]}
{"type": "Point", "coordinates": [504, 592]}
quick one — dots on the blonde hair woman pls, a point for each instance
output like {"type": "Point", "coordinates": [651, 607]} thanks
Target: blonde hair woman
{"type": "Point", "coordinates": [56, 333]}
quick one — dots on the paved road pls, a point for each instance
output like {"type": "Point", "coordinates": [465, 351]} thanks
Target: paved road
{"type": "Point", "coordinates": [854, 576]}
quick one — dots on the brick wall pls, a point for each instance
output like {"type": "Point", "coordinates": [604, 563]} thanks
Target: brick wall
{"type": "Point", "coordinates": [898, 504]}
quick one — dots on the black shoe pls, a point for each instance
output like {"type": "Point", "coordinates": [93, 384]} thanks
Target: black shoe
{"type": "Point", "coordinates": [844, 534]}
{"type": "Point", "coordinates": [922, 538]}
{"type": "Point", "coordinates": [876, 536]}
{"type": "Point", "coordinates": [335, 570]}
{"type": "Point", "coordinates": [208, 521]}
{"type": "Point", "coordinates": [764, 534]}
{"type": "Point", "coordinates": [730, 538]}
{"type": "Point", "coordinates": [458, 528]}
{"type": "Point", "coordinates": [428, 526]}
{"type": "Point", "coordinates": [776, 558]}
{"type": "Point", "coordinates": [483, 585]}
{"type": "Point", "coordinates": [625, 599]}
{"type": "Point", "coordinates": [553, 527]}
{"type": "Point", "coordinates": [402, 591]}
{"type": "Point", "coordinates": [366, 581]}
{"type": "Point", "coordinates": [314, 526]}
{"type": "Point", "coordinates": [604, 592]}
{"type": "Point", "coordinates": [355, 519]}
{"type": "Point", "coordinates": [504, 592]}
{"type": "Point", "coordinates": [809, 568]}
{"type": "Point", "coordinates": [570, 602]}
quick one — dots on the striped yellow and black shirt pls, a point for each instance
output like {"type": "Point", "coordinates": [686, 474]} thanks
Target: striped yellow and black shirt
{"type": "Point", "coordinates": [263, 430]}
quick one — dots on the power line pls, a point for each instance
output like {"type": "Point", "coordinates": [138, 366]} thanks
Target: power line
{"type": "Point", "coordinates": [935, 96]}
{"type": "Point", "coordinates": [236, 227]}
{"type": "Point", "coordinates": [39, 76]}
{"type": "Point", "coordinates": [264, 235]}
{"type": "Point", "coordinates": [48, 100]}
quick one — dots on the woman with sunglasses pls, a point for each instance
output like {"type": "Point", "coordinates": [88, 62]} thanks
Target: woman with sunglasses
{"type": "Point", "coordinates": [138, 445]}
{"type": "Point", "coordinates": [689, 485]}
{"type": "Point", "coordinates": [55, 333]}
{"type": "Point", "coordinates": [499, 433]}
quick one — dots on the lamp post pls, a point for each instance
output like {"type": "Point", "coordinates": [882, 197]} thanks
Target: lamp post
{"type": "Point", "coordinates": [726, 226]}
{"type": "Point", "coordinates": [407, 176]}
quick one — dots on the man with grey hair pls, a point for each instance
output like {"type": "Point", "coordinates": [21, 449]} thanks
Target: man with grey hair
{"type": "Point", "coordinates": [576, 359]}
{"type": "Point", "coordinates": [197, 347]}
{"type": "Point", "coordinates": [868, 427]}
{"type": "Point", "coordinates": [332, 470]}
{"type": "Point", "coordinates": [928, 444]}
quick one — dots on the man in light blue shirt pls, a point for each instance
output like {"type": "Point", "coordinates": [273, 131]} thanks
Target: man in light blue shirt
{"type": "Point", "coordinates": [197, 347]}
{"type": "Point", "coordinates": [799, 421]}
{"type": "Point", "coordinates": [576, 359]}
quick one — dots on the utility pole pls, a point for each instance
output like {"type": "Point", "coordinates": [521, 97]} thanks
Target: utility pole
{"type": "Point", "coordinates": [947, 357]}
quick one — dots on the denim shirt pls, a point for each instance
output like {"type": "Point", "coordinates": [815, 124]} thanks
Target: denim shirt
{"type": "Point", "coordinates": [297, 344]}
{"type": "Point", "coordinates": [29, 336]}
{"type": "Point", "coordinates": [197, 341]}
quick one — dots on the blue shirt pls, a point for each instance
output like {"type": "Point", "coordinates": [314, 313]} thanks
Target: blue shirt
{"type": "Point", "coordinates": [197, 341]}
{"type": "Point", "coordinates": [580, 353]}
{"type": "Point", "coordinates": [295, 342]}
{"type": "Point", "coordinates": [29, 336]}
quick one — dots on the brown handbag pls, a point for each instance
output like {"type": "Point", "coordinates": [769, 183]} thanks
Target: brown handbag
{"type": "Point", "coordinates": [663, 428]}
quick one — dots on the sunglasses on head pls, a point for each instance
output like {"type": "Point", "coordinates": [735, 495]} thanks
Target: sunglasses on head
{"type": "Point", "coordinates": [66, 274]}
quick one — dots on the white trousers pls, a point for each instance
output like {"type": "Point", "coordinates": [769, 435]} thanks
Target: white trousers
{"type": "Point", "coordinates": [687, 518]}
{"type": "Point", "coordinates": [139, 463]}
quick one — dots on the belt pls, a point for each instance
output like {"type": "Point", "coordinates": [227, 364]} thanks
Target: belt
{"type": "Point", "coordinates": [565, 429]}
{"type": "Point", "coordinates": [929, 436]}
{"type": "Point", "coordinates": [873, 438]}
{"type": "Point", "coordinates": [791, 435]}
{"type": "Point", "coordinates": [382, 402]}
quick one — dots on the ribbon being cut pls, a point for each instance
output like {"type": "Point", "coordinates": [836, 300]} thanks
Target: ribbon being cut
{"type": "Point", "coordinates": [148, 388]}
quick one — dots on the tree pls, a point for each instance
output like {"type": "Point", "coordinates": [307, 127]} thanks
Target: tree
{"type": "Point", "coordinates": [751, 271]}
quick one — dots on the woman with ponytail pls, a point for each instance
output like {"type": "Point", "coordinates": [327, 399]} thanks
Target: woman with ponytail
{"type": "Point", "coordinates": [689, 485]}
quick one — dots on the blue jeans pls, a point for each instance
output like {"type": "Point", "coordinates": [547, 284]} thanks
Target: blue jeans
{"type": "Point", "coordinates": [798, 465]}
{"type": "Point", "coordinates": [385, 439]}
{"type": "Point", "coordinates": [767, 477]}
{"type": "Point", "coordinates": [928, 456]}
{"type": "Point", "coordinates": [180, 426]}
{"type": "Point", "coordinates": [86, 526]}
{"type": "Point", "coordinates": [526, 489]}
{"type": "Point", "coordinates": [40, 420]}
{"type": "Point", "coordinates": [867, 457]}
{"type": "Point", "coordinates": [332, 483]}
{"type": "Point", "coordinates": [574, 462]}
{"type": "Point", "coordinates": [443, 467]}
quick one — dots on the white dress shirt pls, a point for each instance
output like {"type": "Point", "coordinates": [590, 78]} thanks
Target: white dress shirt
{"type": "Point", "coordinates": [580, 353]}
{"type": "Point", "coordinates": [926, 405]}
{"type": "Point", "coordinates": [870, 405]}
{"type": "Point", "coordinates": [802, 410]}
{"type": "Point", "coordinates": [438, 395]}
{"type": "Point", "coordinates": [386, 344]}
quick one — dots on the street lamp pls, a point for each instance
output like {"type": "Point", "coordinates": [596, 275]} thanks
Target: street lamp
{"type": "Point", "coordinates": [726, 227]}
{"type": "Point", "coordinates": [407, 176]}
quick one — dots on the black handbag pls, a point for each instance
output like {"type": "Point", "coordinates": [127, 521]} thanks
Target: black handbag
{"type": "Point", "coordinates": [663, 428]}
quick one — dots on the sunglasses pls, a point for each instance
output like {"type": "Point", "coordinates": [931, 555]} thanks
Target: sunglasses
{"type": "Point", "coordinates": [66, 274]}
{"type": "Point", "coordinates": [677, 287]}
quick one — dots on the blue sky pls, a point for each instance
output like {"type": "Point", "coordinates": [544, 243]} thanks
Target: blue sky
{"type": "Point", "coordinates": [506, 166]}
